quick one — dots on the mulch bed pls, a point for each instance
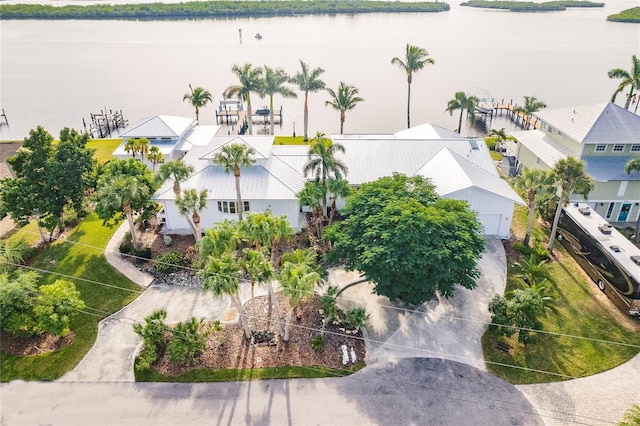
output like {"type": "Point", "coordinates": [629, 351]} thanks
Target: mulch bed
{"type": "Point", "coordinates": [13, 345]}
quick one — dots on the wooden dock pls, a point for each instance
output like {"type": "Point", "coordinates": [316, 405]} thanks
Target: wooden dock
{"type": "Point", "coordinates": [104, 123]}
{"type": "Point", "coordinates": [519, 118]}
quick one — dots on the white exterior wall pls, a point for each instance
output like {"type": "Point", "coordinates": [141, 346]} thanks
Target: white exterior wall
{"type": "Point", "coordinates": [177, 224]}
{"type": "Point", "coordinates": [496, 212]}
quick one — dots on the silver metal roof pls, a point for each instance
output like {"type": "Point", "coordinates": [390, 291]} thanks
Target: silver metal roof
{"type": "Point", "coordinates": [158, 126]}
{"type": "Point", "coordinates": [543, 146]}
{"type": "Point", "coordinates": [606, 168]}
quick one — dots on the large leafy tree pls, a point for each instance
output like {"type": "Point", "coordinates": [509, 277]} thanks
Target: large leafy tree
{"type": "Point", "coordinates": [232, 158]}
{"type": "Point", "coordinates": [462, 101]}
{"type": "Point", "coordinates": [274, 83]}
{"type": "Point", "coordinates": [49, 179]}
{"type": "Point", "coordinates": [415, 59]}
{"type": "Point", "coordinates": [407, 240]}
{"type": "Point", "coordinates": [531, 105]}
{"type": "Point", "coordinates": [631, 166]}
{"type": "Point", "coordinates": [342, 100]}
{"type": "Point", "coordinates": [250, 81]}
{"type": "Point", "coordinates": [529, 183]}
{"type": "Point", "coordinates": [569, 177]}
{"type": "Point", "coordinates": [629, 78]}
{"type": "Point", "coordinates": [120, 195]}
{"type": "Point", "coordinates": [198, 98]}
{"type": "Point", "coordinates": [308, 80]}
{"type": "Point", "coordinates": [322, 163]}
{"type": "Point", "coordinates": [190, 205]}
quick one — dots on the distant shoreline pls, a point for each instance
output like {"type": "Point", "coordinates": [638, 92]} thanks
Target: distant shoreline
{"type": "Point", "coordinates": [214, 9]}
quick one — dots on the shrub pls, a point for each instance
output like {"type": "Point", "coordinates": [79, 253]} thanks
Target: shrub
{"type": "Point", "coordinates": [55, 307]}
{"type": "Point", "coordinates": [491, 143]}
{"type": "Point", "coordinates": [153, 335]}
{"type": "Point", "coordinates": [328, 303]}
{"type": "Point", "coordinates": [317, 342]}
{"type": "Point", "coordinates": [170, 261]}
{"type": "Point", "coordinates": [187, 343]}
{"type": "Point", "coordinates": [356, 318]}
{"type": "Point", "coordinates": [126, 246]}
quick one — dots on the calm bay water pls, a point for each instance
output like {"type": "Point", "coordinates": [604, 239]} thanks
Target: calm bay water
{"type": "Point", "coordinates": [54, 73]}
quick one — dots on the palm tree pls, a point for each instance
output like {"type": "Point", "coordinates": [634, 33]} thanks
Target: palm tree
{"type": "Point", "coordinates": [529, 182]}
{"type": "Point", "coordinates": [631, 166]}
{"type": "Point", "coordinates": [250, 81]}
{"type": "Point", "coordinates": [274, 83]}
{"type": "Point", "coordinates": [223, 237]}
{"type": "Point", "coordinates": [463, 101]}
{"type": "Point", "coordinates": [194, 203]}
{"type": "Point", "coordinates": [258, 269]}
{"type": "Point", "coordinates": [177, 171]}
{"type": "Point", "coordinates": [312, 195]}
{"type": "Point", "coordinates": [500, 136]}
{"type": "Point", "coordinates": [343, 100]}
{"type": "Point", "coordinates": [298, 281]}
{"type": "Point", "coordinates": [416, 58]}
{"type": "Point", "coordinates": [143, 147]}
{"type": "Point", "coordinates": [531, 105]}
{"type": "Point", "coordinates": [232, 158]}
{"type": "Point", "coordinates": [308, 81]}
{"type": "Point", "coordinates": [155, 156]}
{"type": "Point", "coordinates": [119, 193]}
{"type": "Point", "coordinates": [131, 147]}
{"type": "Point", "coordinates": [629, 78]}
{"type": "Point", "coordinates": [323, 163]}
{"type": "Point", "coordinates": [570, 177]}
{"type": "Point", "coordinates": [222, 276]}
{"type": "Point", "coordinates": [11, 252]}
{"type": "Point", "coordinates": [199, 98]}
{"type": "Point", "coordinates": [338, 188]}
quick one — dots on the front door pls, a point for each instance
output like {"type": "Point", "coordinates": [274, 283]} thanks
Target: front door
{"type": "Point", "coordinates": [624, 212]}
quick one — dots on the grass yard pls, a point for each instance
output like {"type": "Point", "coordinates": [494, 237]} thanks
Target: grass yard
{"type": "Point", "coordinates": [104, 148]}
{"type": "Point", "coordinates": [85, 261]}
{"type": "Point", "coordinates": [581, 312]}
{"type": "Point", "coordinates": [290, 140]}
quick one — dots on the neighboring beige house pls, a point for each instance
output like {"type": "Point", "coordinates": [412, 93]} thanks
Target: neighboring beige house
{"type": "Point", "coordinates": [604, 136]}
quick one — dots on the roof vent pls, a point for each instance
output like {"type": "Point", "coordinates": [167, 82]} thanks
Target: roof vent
{"type": "Point", "coordinates": [635, 259]}
{"type": "Point", "coordinates": [616, 249]}
{"type": "Point", "coordinates": [586, 211]}
{"type": "Point", "coordinates": [473, 143]}
{"type": "Point", "coordinates": [605, 229]}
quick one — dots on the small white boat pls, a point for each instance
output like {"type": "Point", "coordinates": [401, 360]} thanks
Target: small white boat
{"type": "Point", "coordinates": [485, 106]}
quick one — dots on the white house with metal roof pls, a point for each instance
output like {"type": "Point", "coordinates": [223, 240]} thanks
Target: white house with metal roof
{"type": "Point", "coordinates": [174, 136]}
{"type": "Point", "coordinates": [460, 169]}
{"type": "Point", "coordinates": [604, 136]}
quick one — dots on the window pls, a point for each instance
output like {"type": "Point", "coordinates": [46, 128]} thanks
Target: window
{"type": "Point", "coordinates": [549, 128]}
{"type": "Point", "coordinates": [601, 148]}
{"type": "Point", "coordinates": [560, 134]}
{"type": "Point", "coordinates": [232, 206]}
{"type": "Point", "coordinates": [635, 148]}
{"type": "Point", "coordinates": [539, 161]}
{"type": "Point", "coordinates": [618, 148]}
{"type": "Point", "coordinates": [610, 210]}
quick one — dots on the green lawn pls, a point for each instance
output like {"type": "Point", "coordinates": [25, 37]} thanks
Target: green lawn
{"type": "Point", "coordinates": [84, 260]}
{"type": "Point", "coordinates": [289, 140]}
{"type": "Point", "coordinates": [579, 314]}
{"type": "Point", "coordinates": [104, 148]}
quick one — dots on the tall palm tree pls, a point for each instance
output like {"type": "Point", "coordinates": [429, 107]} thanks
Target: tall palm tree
{"type": "Point", "coordinates": [338, 188]}
{"type": "Point", "coordinates": [193, 202]}
{"type": "Point", "coordinates": [324, 164]}
{"type": "Point", "coordinates": [223, 237]}
{"type": "Point", "coordinates": [155, 156]}
{"type": "Point", "coordinates": [274, 83]}
{"type": "Point", "coordinates": [119, 193]}
{"type": "Point", "coordinates": [343, 100]}
{"type": "Point", "coordinates": [232, 158]}
{"type": "Point", "coordinates": [308, 81]}
{"type": "Point", "coordinates": [629, 78]}
{"type": "Point", "coordinates": [298, 281]}
{"type": "Point", "coordinates": [258, 269]}
{"type": "Point", "coordinates": [199, 98]}
{"type": "Point", "coordinates": [222, 276]}
{"type": "Point", "coordinates": [416, 58]}
{"type": "Point", "coordinates": [131, 146]}
{"type": "Point", "coordinates": [631, 166]}
{"type": "Point", "coordinates": [463, 101]}
{"type": "Point", "coordinates": [570, 177]}
{"type": "Point", "coordinates": [143, 147]}
{"type": "Point", "coordinates": [530, 182]}
{"type": "Point", "coordinates": [250, 81]}
{"type": "Point", "coordinates": [177, 171]}
{"type": "Point", "coordinates": [312, 195]}
{"type": "Point", "coordinates": [531, 105]}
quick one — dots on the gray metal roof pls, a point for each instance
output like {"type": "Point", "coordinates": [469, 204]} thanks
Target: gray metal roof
{"type": "Point", "coordinates": [606, 168]}
{"type": "Point", "coordinates": [158, 126]}
{"type": "Point", "coordinates": [542, 145]}
{"type": "Point", "coordinates": [603, 122]}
